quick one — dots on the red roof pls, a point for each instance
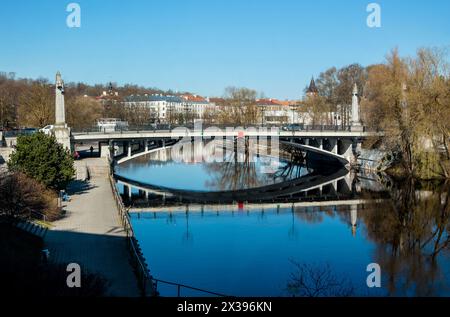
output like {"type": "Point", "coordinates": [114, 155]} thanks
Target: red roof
{"type": "Point", "coordinates": [268, 102]}
{"type": "Point", "coordinates": [194, 98]}
{"type": "Point", "coordinates": [216, 100]}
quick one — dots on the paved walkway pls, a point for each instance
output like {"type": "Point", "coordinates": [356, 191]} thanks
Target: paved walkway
{"type": "Point", "coordinates": [91, 235]}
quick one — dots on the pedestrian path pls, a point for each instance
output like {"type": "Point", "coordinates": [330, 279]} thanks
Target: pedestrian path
{"type": "Point", "coordinates": [91, 234]}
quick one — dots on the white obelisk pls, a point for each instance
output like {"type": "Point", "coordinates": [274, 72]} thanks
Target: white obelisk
{"type": "Point", "coordinates": [61, 131]}
{"type": "Point", "coordinates": [60, 115]}
{"type": "Point", "coordinates": [356, 123]}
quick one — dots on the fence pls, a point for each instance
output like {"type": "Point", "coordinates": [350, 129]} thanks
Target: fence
{"type": "Point", "coordinates": [137, 258]}
{"type": "Point", "coordinates": [166, 127]}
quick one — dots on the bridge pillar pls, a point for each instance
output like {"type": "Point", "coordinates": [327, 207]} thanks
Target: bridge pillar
{"type": "Point", "coordinates": [146, 145]}
{"type": "Point", "coordinates": [357, 145]}
{"type": "Point", "coordinates": [306, 141]}
{"type": "Point", "coordinates": [320, 142]}
{"type": "Point", "coordinates": [129, 149]}
{"type": "Point", "coordinates": [347, 150]}
{"type": "Point", "coordinates": [126, 191]}
{"type": "Point", "coordinates": [334, 145]}
{"type": "Point", "coordinates": [104, 150]}
{"type": "Point", "coordinates": [335, 186]}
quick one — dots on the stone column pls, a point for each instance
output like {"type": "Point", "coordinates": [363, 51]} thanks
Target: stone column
{"type": "Point", "coordinates": [356, 123]}
{"type": "Point", "coordinates": [60, 131]}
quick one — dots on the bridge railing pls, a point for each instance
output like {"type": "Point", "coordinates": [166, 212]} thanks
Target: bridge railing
{"type": "Point", "coordinates": [168, 127]}
{"type": "Point", "coordinates": [179, 287]}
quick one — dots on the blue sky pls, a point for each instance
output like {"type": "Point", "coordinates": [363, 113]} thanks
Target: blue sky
{"type": "Point", "coordinates": [273, 46]}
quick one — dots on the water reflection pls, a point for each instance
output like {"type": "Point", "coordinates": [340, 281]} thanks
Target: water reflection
{"type": "Point", "coordinates": [411, 232]}
{"type": "Point", "coordinates": [253, 170]}
{"type": "Point", "coordinates": [323, 225]}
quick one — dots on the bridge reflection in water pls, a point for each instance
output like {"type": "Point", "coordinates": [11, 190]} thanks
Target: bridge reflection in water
{"type": "Point", "coordinates": [230, 241]}
{"type": "Point", "coordinates": [303, 186]}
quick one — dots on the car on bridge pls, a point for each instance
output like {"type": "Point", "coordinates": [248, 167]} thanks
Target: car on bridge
{"type": "Point", "coordinates": [294, 127]}
{"type": "Point", "coordinates": [47, 129]}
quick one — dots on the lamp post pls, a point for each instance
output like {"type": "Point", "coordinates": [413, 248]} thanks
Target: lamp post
{"type": "Point", "coordinates": [292, 108]}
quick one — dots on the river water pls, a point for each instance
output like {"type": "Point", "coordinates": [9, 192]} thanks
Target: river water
{"type": "Point", "coordinates": [315, 237]}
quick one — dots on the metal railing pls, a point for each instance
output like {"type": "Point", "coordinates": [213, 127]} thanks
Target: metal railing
{"type": "Point", "coordinates": [137, 259]}
{"type": "Point", "coordinates": [168, 127]}
{"type": "Point", "coordinates": [180, 286]}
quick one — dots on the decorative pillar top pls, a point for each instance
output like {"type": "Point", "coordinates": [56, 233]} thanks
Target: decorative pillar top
{"type": "Point", "coordinates": [355, 90]}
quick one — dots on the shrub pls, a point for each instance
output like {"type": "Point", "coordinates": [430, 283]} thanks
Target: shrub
{"type": "Point", "coordinates": [39, 156]}
{"type": "Point", "coordinates": [25, 197]}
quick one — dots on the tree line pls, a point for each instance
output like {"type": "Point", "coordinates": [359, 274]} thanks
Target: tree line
{"type": "Point", "coordinates": [406, 97]}
{"type": "Point", "coordinates": [30, 102]}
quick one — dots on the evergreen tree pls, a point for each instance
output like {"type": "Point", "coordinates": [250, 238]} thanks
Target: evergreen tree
{"type": "Point", "coordinates": [39, 156]}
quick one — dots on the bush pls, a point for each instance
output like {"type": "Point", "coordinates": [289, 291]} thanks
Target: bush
{"type": "Point", "coordinates": [39, 156]}
{"type": "Point", "coordinates": [22, 196]}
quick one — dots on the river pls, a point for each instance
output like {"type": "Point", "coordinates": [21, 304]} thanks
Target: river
{"type": "Point", "coordinates": [236, 228]}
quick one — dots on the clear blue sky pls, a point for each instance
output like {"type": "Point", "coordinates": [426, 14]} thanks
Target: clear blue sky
{"type": "Point", "coordinates": [273, 46]}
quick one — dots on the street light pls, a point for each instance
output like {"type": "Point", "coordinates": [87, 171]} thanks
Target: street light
{"type": "Point", "coordinates": [292, 108]}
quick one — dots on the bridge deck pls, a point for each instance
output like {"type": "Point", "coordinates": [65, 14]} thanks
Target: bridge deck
{"type": "Point", "coordinates": [127, 135]}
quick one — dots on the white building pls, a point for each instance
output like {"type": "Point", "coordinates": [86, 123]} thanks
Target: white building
{"type": "Point", "coordinates": [163, 107]}
{"type": "Point", "coordinates": [278, 112]}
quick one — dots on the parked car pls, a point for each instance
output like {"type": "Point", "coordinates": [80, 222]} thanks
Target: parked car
{"type": "Point", "coordinates": [294, 127]}
{"type": "Point", "coordinates": [28, 131]}
{"type": "Point", "coordinates": [47, 129]}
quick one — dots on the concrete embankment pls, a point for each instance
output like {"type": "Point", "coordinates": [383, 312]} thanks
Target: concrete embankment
{"type": "Point", "coordinates": [371, 160]}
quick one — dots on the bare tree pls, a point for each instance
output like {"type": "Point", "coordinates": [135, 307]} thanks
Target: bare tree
{"type": "Point", "coordinates": [82, 112]}
{"type": "Point", "coordinates": [37, 105]}
{"type": "Point", "coordinates": [317, 281]}
{"type": "Point", "coordinates": [239, 106]}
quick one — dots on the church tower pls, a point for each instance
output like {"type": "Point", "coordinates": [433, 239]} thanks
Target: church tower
{"type": "Point", "coordinates": [312, 90]}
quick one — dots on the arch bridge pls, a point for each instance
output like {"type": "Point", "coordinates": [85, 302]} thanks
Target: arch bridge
{"type": "Point", "coordinates": [326, 143]}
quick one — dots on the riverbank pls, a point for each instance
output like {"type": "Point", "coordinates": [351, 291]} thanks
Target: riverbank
{"type": "Point", "coordinates": [91, 233]}
{"type": "Point", "coordinates": [436, 168]}
{"type": "Point", "coordinates": [441, 172]}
